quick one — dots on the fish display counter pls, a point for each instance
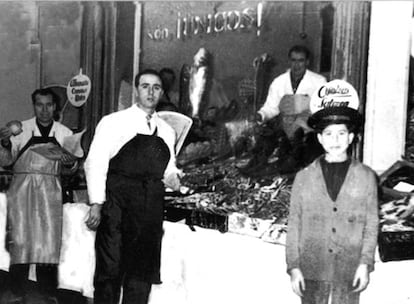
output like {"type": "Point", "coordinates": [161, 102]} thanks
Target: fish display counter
{"type": "Point", "coordinates": [228, 201]}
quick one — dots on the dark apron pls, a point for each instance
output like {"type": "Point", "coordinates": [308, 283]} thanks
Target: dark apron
{"type": "Point", "coordinates": [34, 206]}
{"type": "Point", "coordinates": [128, 239]}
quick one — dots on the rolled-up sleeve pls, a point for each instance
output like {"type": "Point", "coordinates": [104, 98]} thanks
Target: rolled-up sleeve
{"type": "Point", "coordinates": [97, 162]}
{"type": "Point", "coordinates": [271, 106]}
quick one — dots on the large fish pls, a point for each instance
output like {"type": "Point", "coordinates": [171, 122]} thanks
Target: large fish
{"type": "Point", "coordinates": [198, 80]}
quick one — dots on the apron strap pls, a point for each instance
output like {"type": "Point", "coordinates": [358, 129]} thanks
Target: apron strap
{"type": "Point", "coordinates": [35, 140]}
{"type": "Point", "coordinates": [26, 146]}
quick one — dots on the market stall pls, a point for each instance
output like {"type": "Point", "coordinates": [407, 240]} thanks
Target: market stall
{"type": "Point", "coordinates": [224, 241]}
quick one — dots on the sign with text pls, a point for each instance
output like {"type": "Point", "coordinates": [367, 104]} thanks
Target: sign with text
{"type": "Point", "coordinates": [211, 23]}
{"type": "Point", "coordinates": [78, 89]}
{"type": "Point", "coordinates": [336, 93]}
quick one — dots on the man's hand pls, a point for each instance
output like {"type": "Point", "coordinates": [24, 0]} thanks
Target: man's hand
{"type": "Point", "coordinates": [15, 127]}
{"type": "Point", "coordinates": [94, 216]}
{"type": "Point", "coordinates": [255, 118]}
{"type": "Point", "coordinates": [68, 159]}
{"type": "Point", "coordinates": [5, 133]}
{"type": "Point", "coordinates": [172, 181]}
{"type": "Point", "coordinates": [298, 282]}
{"type": "Point", "coordinates": [361, 278]}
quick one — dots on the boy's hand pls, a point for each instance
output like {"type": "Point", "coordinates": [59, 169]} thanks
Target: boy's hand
{"type": "Point", "coordinates": [361, 278]}
{"type": "Point", "coordinates": [297, 281]}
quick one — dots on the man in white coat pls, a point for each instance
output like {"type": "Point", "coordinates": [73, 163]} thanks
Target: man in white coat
{"type": "Point", "coordinates": [297, 80]}
{"type": "Point", "coordinates": [34, 198]}
{"type": "Point", "coordinates": [130, 161]}
{"type": "Point", "coordinates": [285, 113]}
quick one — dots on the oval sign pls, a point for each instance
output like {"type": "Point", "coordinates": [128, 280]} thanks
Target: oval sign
{"type": "Point", "coordinates": [336, 93]}
{"type": "Point", "coordinates": [78, 89]}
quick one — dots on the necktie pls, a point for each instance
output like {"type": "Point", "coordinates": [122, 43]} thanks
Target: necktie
{"type": "Point", "coordinates": [149, 121]}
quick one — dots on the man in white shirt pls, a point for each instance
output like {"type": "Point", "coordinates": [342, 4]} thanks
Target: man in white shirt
{"type": "Point", "coordinates": [34, 199]}
{"type": "Point", "coordinates": [297, 80]}
{"type": "Point", "coordinates": [130, 161]}
{"type": "Point", "coordinates": [285, 113]}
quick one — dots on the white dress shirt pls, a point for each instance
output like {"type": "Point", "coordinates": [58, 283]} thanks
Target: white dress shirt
{"type": "Point", "coordinates": [111, 134]}
{"type": "Point", "coordinates": [282, 86]}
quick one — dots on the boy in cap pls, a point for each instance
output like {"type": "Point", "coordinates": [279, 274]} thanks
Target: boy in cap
{"type": "Point", "coordinates": [333, 220]}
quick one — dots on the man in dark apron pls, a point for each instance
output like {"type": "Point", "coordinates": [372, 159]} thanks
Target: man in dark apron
{"type": "Point", "coordinates": [34, 199]}
{"type": "Point", "coordinates": [130, 161]}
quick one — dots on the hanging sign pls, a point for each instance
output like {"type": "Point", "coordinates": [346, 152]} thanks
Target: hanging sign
{"type": "Point", "coordinates": [336, 93]}
{"type": "Point", "coordinates": [78, 89]}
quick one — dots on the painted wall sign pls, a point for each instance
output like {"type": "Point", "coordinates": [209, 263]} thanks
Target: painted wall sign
{"type": "Point", "coordinates": [78, 89]}
{"type": "Point", "coordinates": [189, 25]}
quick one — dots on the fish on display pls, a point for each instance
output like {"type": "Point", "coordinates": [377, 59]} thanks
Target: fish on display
{"type": "Point", "coordinates": [198, 80]}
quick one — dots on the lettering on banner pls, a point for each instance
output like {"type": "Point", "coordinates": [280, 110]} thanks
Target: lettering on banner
{"type": "Point", "coordinates": [218, 22]}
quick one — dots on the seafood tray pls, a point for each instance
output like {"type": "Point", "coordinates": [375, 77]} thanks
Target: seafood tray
{"type": "Point", "coordinates": [193, 217]}
{"type": "Point", "coordinates": [267, 230]}
{"type": "Point", "coordinates": [208, 220]}
{"type": "Point", "coordinates": [396, 246]}
{"type": "Point", "coordinates": [397, 215]}
{"type": "Point", "coordinates": [396, 237]}
{"type": "Point", "coordinates": [400, 172]}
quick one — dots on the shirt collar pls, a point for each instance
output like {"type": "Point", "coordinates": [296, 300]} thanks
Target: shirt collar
{"type": "Point", "coordinates": [290, 70]}
{"type": "Point", "coordinates": [137, 110]}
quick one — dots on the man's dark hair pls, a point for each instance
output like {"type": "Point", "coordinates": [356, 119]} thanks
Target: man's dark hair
{"type": "Point", "coordinates": [299, 49]}
{"type": "Point", "coordinates": [45, 92]}
{"type": "Point", "coordinates": [146, 72]}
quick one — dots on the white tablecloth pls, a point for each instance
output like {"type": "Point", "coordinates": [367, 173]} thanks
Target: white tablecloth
{"type": "Point", "coordinates": [207, 266]}
{"type": "Point", "coordinates": [77, 261]}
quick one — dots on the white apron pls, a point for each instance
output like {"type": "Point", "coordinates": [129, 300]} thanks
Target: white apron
{"type": "Point", "coordinates": [34, 207]}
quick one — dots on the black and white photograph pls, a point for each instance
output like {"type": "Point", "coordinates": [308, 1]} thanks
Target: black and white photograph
{"type": "Point", "coordinates": [199, 152]}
